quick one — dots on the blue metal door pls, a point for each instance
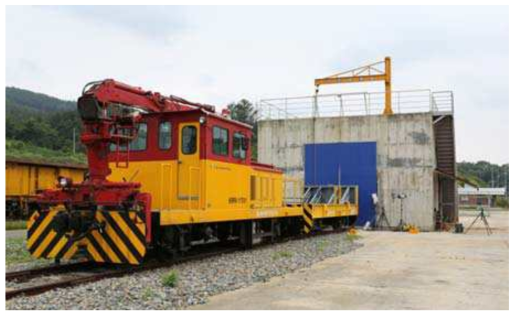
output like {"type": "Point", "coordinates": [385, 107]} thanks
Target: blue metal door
{"type": "Point", "coordinates": [345, 163]}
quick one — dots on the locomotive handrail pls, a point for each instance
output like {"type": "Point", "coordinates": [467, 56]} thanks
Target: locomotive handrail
{"type": "Point", "coordinates": [169, 178]}
{"type": "Point", "coordinates": [189, 196]}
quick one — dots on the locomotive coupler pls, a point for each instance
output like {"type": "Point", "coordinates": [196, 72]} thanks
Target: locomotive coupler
{"type": "Point", "coordinates": [79, 223]}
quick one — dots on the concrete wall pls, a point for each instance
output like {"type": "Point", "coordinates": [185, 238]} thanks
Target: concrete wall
{"type": "Point", "coordinates": [405, 155]}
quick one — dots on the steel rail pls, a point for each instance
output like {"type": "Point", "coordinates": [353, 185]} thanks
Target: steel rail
{"type": "Point", "coordinates": [114, 272]}
{"type": "Point", "coordinates": [46, 270]}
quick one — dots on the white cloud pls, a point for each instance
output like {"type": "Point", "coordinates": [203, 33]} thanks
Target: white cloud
{"type": "Point", "coordinates": [221, 54]}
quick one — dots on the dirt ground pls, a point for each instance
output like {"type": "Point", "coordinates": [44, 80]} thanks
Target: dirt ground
{"type": "Point", "coordinates": [396, 271]}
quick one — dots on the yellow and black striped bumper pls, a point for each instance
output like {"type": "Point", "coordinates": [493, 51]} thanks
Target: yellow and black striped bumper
{"type": "Point", "coordinates": [308, 217]}
{"type": "Point", "coordinates": [121, 239]}
{"type": "Point", "coordinates": [43, 241]}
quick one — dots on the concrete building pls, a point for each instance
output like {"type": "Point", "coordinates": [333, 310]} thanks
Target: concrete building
{"type": "Point", "coordinates": [485, 197]}
{"type": "Point", "coordinates": [415, 147]}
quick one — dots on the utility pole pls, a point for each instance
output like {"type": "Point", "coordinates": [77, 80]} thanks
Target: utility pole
{"type": "Point", "coordinates": [492, 175]}
{"type": "Point", "coordinates": [74, 141]}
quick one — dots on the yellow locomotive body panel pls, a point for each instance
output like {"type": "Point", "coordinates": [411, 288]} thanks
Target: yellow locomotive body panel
{"type": "Point", "coordinates": [224, 192]}
{"type": "Point", "coordinates": [218, 191]}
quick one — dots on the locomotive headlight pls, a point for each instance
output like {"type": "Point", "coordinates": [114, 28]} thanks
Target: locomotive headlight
{"type": "Point", "coordinates": [202, 120]}
{"type": "Point", "coordinates": [64, 182]}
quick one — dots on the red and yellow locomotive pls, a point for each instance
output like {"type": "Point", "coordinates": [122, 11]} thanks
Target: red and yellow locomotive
{"type": "Point", "coordinates": [165, 172]}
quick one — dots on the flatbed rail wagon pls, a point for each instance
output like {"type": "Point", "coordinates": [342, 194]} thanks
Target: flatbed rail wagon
{"type": "Point", "coordinates": [26, 178]}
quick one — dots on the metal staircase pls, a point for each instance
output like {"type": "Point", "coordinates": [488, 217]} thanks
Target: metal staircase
{"type": "Point", "coordinates": [445, 143]}
{"type": "Point", "coordinates": [444, 133]}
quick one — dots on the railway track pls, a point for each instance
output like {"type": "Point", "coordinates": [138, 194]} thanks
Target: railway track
{"type": "Point", "coordinates": [88, 272]}
{"type": "Point", "coordinates": [25, 275]}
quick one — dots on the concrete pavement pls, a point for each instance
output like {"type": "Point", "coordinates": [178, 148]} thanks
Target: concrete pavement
{"type": "Point", "coordinates": [395, 271]}
{"type": "Point", "coordinates": [11, 234]}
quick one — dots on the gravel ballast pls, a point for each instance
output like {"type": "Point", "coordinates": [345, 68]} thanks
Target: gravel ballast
{"type": "Point", "coordinates": [197, 281]}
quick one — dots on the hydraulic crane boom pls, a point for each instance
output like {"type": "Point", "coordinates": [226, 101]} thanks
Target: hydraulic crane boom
{"type": "Point", "coordinates": [109, 91]}
{"type": "Point", "coordinates": [364, 74]}
{"type": "Point", "coordinates": [110, 111]}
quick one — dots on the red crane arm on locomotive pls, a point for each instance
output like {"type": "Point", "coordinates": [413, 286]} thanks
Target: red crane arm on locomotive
{"type": "Point", "coordinates": [107, 109]}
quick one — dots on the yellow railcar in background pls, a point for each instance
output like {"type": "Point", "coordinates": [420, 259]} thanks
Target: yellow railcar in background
{"type": "Point", "coordinates": [25, 178]}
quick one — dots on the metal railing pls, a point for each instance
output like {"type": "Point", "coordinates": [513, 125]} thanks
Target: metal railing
{"type": "Point", "coordinates": [442, 102]}
{"type": "Point", "coordinates": [355, 104]}
{"type": "Point", "coordinates": [331, 194]}
{"type": "Point", "coordinates": [293, 190]}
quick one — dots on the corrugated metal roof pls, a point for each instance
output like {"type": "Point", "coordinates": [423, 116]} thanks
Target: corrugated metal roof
{"type": "Point", "coordinates": [481, 191]}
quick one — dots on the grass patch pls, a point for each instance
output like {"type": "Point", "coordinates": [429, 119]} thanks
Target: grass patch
{"type": "Point", "coordinates": [170, 279]}
{"type": "Point", "coordinates": [148, 293]}
{"type": "Point", "coordinates": [23, 150]}
{"type": "Point", "coordinates": [16, 252]}
{"type": "Point", "coordinates": [15, 224]}
{"type": "Point", "coordinates": [282, 254]}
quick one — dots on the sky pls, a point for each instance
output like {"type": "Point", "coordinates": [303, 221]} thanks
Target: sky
{"type": "Point", "coordinates": [218, 55]}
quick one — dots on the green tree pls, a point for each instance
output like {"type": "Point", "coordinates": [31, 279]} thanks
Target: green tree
{"type": "Point", "coordinates": [38, 132]}
{"type": "Point", "coordinates": [65, 122]}
{"type": "Point", "coordinates": [485, 174]}
{"type": "Point", "coordinates": [244, 111]}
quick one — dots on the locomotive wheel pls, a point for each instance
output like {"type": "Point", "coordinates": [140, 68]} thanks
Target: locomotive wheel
{"type": "Point", "coordinates": [337, 224]}
{"type": "Point", "coordinates": [223, 232]}
{"type": "Point", "coordinates": [350, 221]}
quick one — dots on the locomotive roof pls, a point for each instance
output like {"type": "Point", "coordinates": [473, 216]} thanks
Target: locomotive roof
{"type": "Point", "coordinates": [204, 112]}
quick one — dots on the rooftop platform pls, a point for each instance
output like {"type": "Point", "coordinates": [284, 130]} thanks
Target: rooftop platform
{"type": "Point", "coordinates": [356, 104]}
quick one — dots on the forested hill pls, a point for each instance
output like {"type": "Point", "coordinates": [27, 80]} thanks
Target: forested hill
{"type": "Point", "coordinates": [21, 100]}
{"type": "Point", "coordinates": [40, 126]}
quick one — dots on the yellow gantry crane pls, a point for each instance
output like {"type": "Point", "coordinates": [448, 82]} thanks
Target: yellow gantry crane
{"type": "Point", "coordinates": [362, 74]}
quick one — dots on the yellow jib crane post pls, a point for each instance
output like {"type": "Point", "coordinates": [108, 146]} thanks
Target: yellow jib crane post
{"type": "Point", "coordinates": [363, 74]}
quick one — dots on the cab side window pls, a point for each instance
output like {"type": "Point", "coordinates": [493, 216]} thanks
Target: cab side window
{"type": "Point", "coordinates": [239, 145]}
{"type": "Point", "coordinates": [137, 144]}
{"type": "Point", "coordinates": [140, 142]}
{"type": "Point", "coordinates": [164, 136]}
{"type": "Point", "coordinates": [219, 141]}
{"type": "Point", "coordinates": [189, 139]}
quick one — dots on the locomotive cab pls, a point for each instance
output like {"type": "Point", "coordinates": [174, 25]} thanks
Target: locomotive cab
{"type": "Point", "coordinates": [198, 168]}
